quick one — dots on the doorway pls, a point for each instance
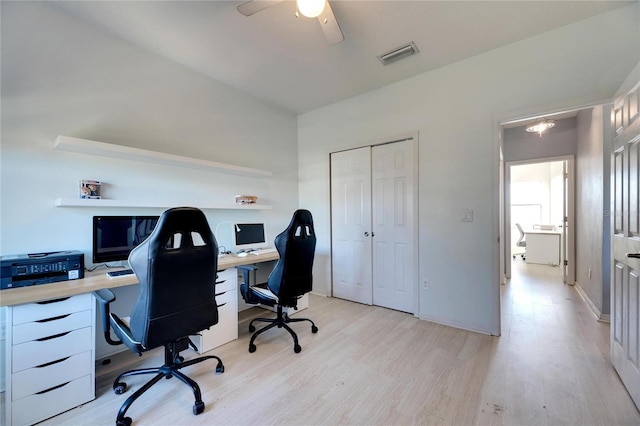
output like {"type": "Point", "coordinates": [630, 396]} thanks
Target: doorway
{"type": "Point", "coordinates": [539, 199]}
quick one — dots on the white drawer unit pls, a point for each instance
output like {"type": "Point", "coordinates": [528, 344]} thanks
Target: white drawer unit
{"type": "Point", "coordinates": [50, 357]}
{"type": "Point", "coordinates": [226, 330]}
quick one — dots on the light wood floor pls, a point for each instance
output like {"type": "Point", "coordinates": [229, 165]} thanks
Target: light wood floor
{"type": "Point", "coordinates": [374, 366]}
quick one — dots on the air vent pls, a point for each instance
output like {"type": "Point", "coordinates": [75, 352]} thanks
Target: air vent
{"type": "Point", "coordinates": [398, 53]}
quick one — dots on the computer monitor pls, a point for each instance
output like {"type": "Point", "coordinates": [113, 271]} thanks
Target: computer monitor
{"type": "Point", "coordinates": [115, 236]}
{"type": "Point", "coordinates": [249, 236]}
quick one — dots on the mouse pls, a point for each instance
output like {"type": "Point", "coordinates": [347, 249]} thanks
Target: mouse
{"type": "Point", "coordinates": [243, 254]}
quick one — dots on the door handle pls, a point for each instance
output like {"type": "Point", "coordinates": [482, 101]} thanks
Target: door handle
{"type": "Point", "coordinates": [634, 255]}
{"type": "Point", "coordinates": [366, 234]}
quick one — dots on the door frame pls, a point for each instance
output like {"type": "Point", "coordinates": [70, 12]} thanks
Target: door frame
{"type": "Point", "coordinates": [416, 212]}
{"type": "Point", "coordinates": [505, 242]}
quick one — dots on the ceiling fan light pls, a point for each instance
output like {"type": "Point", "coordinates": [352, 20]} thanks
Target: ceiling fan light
{"type": "Point", "coordinates": [540, 126]}
{"type": "Point", "coordinates": [311, 8]}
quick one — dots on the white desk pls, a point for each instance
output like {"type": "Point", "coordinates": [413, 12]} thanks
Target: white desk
{"type": "Point", "coordinates": [98, 280]}
{"type": "Point", "coordinates": [543, 247]}
{"type": "Point", "coordinates": [50, 344]}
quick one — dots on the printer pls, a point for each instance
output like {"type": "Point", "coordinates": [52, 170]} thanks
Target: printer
{"type": "Point", "coordinates": [40, 268]}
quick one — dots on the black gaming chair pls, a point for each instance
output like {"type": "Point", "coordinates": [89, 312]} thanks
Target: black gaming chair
{"type": "Point", "coordinates": [290, 279]}
{"type": "Point", "coordinates": [176, 267]}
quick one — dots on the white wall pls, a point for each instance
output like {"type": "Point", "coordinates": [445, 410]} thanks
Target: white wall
{"type": "Point", "coordinates": [61, 76]}
{"type": "Point", "coordinates": [456, 110]}
{"type": "Point", "coordinates": [590, 209]}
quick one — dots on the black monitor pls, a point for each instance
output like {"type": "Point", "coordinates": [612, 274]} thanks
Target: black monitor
{"type": "Point", "coordinates": [115, 236]}
{"type": "Point", "coordinates": [248, 236]}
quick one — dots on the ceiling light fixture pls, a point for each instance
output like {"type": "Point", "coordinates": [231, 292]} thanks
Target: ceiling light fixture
{"type": "Point", "coordinates": [540, 126]}
{"type": "Point", "coordinates": [311, 8]}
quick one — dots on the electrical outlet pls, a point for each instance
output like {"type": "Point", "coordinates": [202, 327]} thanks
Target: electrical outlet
{"type": "Point", "coordinates": [3, 331]}
{"type": "Point", "coordinates": [425, 284]}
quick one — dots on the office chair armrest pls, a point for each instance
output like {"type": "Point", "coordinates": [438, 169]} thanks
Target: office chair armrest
{"type": "Point", "coordinates": [104, 298]}
{"type": "Point", "coordinates": [246, 269]}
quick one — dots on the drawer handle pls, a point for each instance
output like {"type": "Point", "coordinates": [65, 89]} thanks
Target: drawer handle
{"type": "Point", "coordinates": [220, 306]}
{"type": "Point", "coordinates": [46, 302]}
{"type": "Point", "coordinates": [53, 318]}
{"type": "Point", "coordinates": [55, 336]}
{"type": "Point", "coordinates": [220, 282]}
{"type": "Point", "coordinates": [220, 294]}
{"type": "Point", "coordinates": [52, 362]}
{"type": "Point", "coordinates": [51, 389]}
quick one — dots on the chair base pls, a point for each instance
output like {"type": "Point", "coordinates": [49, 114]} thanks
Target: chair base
{"type": "Point", "coordinates": [173, 362]}
{"type": "Point", "coordinates": [280, 321]}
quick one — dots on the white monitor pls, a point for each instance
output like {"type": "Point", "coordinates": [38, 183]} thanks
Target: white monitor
{"type": "Point", "coordinates": [249, 236]}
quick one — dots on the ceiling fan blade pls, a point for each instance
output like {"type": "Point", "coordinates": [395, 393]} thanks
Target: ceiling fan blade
{"type": "Point", "coordinates": [255, 6]}
{"type": "Point", "coordinates": [330, 26]}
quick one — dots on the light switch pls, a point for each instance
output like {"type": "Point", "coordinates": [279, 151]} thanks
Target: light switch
{"type": "Point", "coordinates": [466, 215]}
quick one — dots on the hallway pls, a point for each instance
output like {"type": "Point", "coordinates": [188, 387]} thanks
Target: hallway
{"type": "Point", "coordinates": [554, 356]}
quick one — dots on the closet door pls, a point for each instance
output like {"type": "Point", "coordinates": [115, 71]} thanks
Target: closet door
{"type": "Point", "coordinates": [351, 224]}
{"type": "Point", "coordinates": [394, 231]}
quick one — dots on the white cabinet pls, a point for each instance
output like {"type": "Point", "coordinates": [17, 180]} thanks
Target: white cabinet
{"type": "Point", "coordinates": [226, 329]}
{"type": "Point", "coordinates": [50, 357]}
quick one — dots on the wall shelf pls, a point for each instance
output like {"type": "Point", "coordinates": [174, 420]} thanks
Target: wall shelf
{"type": "Point", "coordinates": [79, 202]}
{"type": "Point", "coordinates": [84, 146]}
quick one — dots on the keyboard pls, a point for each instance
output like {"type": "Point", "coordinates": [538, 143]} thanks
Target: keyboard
{"type": "Point", "coordinates": [264, 251]}
{"type": "Point", "coordinates": [120, 273]}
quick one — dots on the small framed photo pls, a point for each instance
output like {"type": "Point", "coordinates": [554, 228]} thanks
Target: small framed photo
{"type": "Point", "coordinates": [90, 188]}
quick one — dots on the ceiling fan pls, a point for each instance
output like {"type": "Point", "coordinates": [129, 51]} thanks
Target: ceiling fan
{"type": "Point", "coordinates": [309, 8]}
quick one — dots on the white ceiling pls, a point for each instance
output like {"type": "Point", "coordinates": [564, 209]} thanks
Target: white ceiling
{"type": "Point", "coordinates": [286, 61]}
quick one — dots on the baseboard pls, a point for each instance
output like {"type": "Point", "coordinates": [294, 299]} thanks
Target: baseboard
{"type": "Point", "coordinates": [457, 325]}
{"type": "Point", "coordinates": [594, 309]}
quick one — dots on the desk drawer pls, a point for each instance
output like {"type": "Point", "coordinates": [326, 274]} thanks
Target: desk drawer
{"type": "Point", "coordinates": [51, 308]}
{"type": "Point", "coordinates": [226, 298]}
{"type": "Point", "coordinates": [37, 379]}
{"type": "Point", "coordinates": [41, 406]}
{"type": "Point", "coordinates": [226, 329]}
{"type": "Point", "coordinates": [38, 352]}
{"type": "Point", "coordinates": [227, 280]}
{"type": "Point", "coordinates": [49, 327]}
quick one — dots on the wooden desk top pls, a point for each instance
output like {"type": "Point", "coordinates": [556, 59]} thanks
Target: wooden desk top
{"type": "Point", "coordinates": [97, 280]}
{"type": "Point", "coordinates": [542, 231]}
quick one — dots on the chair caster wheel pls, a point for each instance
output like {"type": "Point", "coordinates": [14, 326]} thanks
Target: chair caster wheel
{"type": "Point", "coordinates": [118, 389]}
{"type": "Point", "coordinates": [252, 348]}
{"type": "Point", "coordinates": [179, 359]}
{"type": "Point", "coordinates": [125, 421]}
{"type": "Point", "coordinates": [314, 329]}
{"type": "Point", "coordinates": [220, 368]}
{"type": "Point", "coordinates": [198, 408]}
{"type": "Point", "coordinates": [251, 329]}
{"type": "Point", "coordinates": [297, 348]}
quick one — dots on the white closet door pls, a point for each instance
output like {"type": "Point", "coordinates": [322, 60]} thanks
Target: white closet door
{"type": "Point", "coordinates": [394, 232]}
{"type": "Point", "coordinates": [351, 224]}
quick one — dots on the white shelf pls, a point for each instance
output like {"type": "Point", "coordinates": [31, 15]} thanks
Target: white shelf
{"type": "Point", "coordinates": [84, 146]}
{"type": "Point", "coordinates": [79, 202]}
